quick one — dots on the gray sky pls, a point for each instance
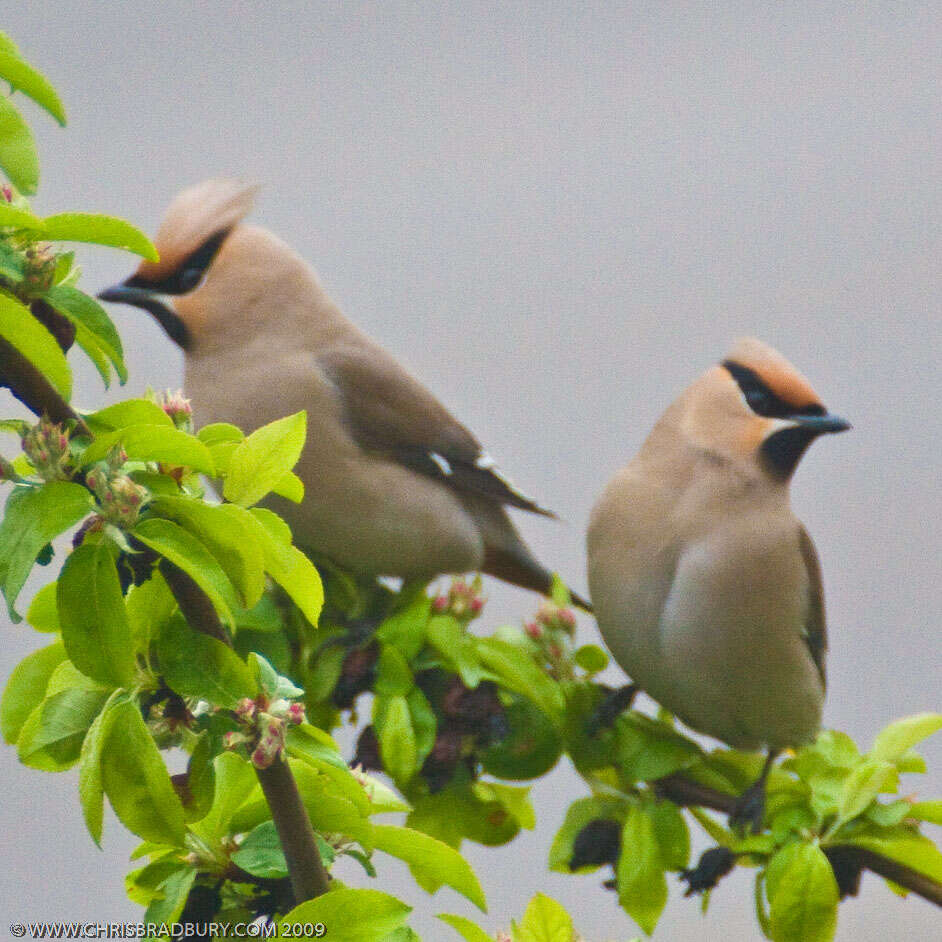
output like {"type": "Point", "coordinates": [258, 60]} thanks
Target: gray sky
{"type": "Point", "coordinates": [557, 215]}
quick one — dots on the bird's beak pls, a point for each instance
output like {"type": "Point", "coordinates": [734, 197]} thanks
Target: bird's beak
{"type": "Point", "coordinates": [155, 303]}
{"type": "Point", "coordinates": [126, 294]}
{"type": "Point", "coordinates": [820, 424]}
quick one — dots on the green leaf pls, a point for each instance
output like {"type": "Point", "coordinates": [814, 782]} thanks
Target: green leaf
{"type": "Point", "coordinates": [135, 779]}
{"type": "Point", "coordinates": [260, 853]}
{"type": "Point", "coordinates": [642, 888]}
{"type": "Point", "coordinates": [396, 736]}
{"type": "Point", "coordinates": [468, 930]}
{"type": "Point", "coordinates": [863, 785]}
{"type": "Point", "coordinates": [544, 921]}
{"type": "Point", "coordinates": [459, 812]}
{"type": "Point", "coordinates": [288, 566]}
{"type": "Point", "coordinates": [26, 688]}
{"type": "Point", "coordinates": [17, 149]}
{"type": "Point", "coordinates": [185, 551]}
{"type": "Point", "coordinates": [518, 672]}
{"type": "Point", "coordinates": [14, 217]}
{"type": "Point", "coordinates": [86, 313]}
{"type": "Point", "coordinates": [647, 749]}
{"type": "Point", "coordinates": [42, 613]}
{"type": "Point", "coordinates": [898, 738]}
{"type": "Point", "coordinates": [127, 413]}
{"type": "Point", "coordinates": [803, 897]}
{"type": "Point", "coordinates": [262, 459]}
{"type": "Point", "coordinates": [424, 724]}
{"type": "Point", "coordinates": [591, 658]}
{"type": "Point", "coordinates": [352, 915]}
{"type": "Point", "coordinates": [515, 800]}
{"type": "Point", "coordinates": [432, 862]}
{"type": "Point", "coordinates": [100, 230]}
{"type": "Point", "coordinates": [154, 443]}
{"type": "Point", "coordinates": [530, 748]}
{"type": "Point", "coordinates": [19, 328]}
{"type": "Point", "coordinates": [171, 897]}
{"type": "Point", "coordinates": [458, 649]}
{"type": "Point", "coordinates": [289, 486]}
{"type": "Point", "coordinates": [228, 532]}
{"type": "Point", "coordinates": [196, 665]}
{"type": "Point", "coordinates": [149, 606]}
{"type": "Point", "coordinates": [393, 675]}
{"type": "Point", "coordinates": [91, 790]}
{"type": "Point", "coordinates": [24, 78]}
{"type": "Point", "coordinates": [236, 783]}
{"type": "Point", "coordinates": [672, 834]}
{"type": "Point", "coordinates": [11, 262]}
{"type": "Point", "coordinates": [32, 518]}
{"type": "Point", "coordinates": [51, 737]}
{"type": "Point", "coordinates": [406, 628]}
{"type": "Point", "coordinates": [927, 811]}
{"type": "Point", "coordinates": [94, 621]}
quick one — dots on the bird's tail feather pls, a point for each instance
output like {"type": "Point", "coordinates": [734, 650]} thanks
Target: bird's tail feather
{"type": "Point", "coordinates": [522, 569]}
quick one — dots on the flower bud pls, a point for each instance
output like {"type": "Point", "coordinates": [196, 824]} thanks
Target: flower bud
{"type": "Point", "coordinates": [47, 447]}
{"type": "Point", "coordinates": [178, 407]}
{"type": "Point", "coordinates": [38, 270]}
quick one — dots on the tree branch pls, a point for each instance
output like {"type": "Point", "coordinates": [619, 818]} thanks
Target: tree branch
{"type": "Point", "coordinates": [32, 388]}
{"type": "Point", "coordinates": [683, 791]}
{"type": "Point", "coordinates": [308, 875]}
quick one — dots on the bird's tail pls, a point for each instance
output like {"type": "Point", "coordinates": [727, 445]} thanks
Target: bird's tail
{"type": "Point", "coordinates": [524, 570]}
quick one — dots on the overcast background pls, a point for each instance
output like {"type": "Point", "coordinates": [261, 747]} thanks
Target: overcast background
{"type": "Point", "coordinates": [558, 215]}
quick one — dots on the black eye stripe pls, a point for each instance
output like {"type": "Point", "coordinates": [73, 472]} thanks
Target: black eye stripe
{"type": "Point", "coordinates": [189, 272]}
{"type": "Point", "coordinates": [761, 399]}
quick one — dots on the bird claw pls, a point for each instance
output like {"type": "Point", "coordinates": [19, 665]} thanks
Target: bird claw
{"type": "Point", "coordinates": [749, 811]}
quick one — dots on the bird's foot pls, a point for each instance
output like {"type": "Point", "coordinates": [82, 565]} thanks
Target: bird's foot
{"type": "Point", "coordinates": [749, 811]}
{"type": "Point", "coordinates": [614, 704]}
{"type": "Point", "coordinates": [713, 865]}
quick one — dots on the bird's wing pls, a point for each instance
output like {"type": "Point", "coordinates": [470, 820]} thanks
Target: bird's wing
{"type": "Point", "coordinates": [388, 411]}
{"type": "Point", "coordinates": [815, 629]}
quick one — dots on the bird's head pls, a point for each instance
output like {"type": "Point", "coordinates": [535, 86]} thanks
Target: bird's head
{"type": "Point", "coordinates": [207, 255]}
{"type": "Point", "coordinates": [756, 407]}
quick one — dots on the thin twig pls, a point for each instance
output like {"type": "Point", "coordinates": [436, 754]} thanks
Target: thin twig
{"type": "Point", "coordinates": [683, 791]}
{"type": "Point", "coordinates": [305, 867]}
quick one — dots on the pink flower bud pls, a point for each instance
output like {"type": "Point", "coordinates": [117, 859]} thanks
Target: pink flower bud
{"type": "Point", "coordinates": [296, 713]}
{"type": "Point", "coordinates": [533, 630]}
{"type": "Point", "coordinates": [440, 603]}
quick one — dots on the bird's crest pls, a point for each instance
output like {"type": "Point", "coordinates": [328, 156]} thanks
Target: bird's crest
{"type": "Point", "coordinates": [752, 362]}
{"type": "Point", "coordinates": [197, 214]}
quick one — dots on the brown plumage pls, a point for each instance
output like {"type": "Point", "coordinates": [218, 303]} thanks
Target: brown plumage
{"type": "Point", "coordinates": [706, 587]}
{"type": "Point", "coordinates": [394, 484]}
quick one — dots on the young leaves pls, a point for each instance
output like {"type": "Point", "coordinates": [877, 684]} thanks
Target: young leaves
{"type": "Point", "coordinates": [433, 863]}
{"type": "Point", "coordinates": [544, 921]}
{"type": "Point", "coordinates": [26, 79]}
{"type": "Point", "coordinates": [642, 888]}
{"type": "Point", "coordinates": [352, 915]}
{"type": "Point", "coordinates": [99, 230]}
{"type": "Point", "coordinates": [135, 779]}
{"type": "Point", "coordinates": [18, 158]}
{"type": "Point", "coordinates": [33, 517]}
{"type": "Point", "coordinates": [26, 687]}
{"type": "Point", "coordinates": [94, 620]}
{"type": "Point", "coordinates": [195, 665]}
{"type": "Point", "coordinates": [260, 462]}
{"type": "Point", "coordinates": [20, 329]}
{"type": "Point", "coordinates": [803, 895]}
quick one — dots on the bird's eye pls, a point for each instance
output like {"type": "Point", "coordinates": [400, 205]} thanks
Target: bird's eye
{"type": "Point", "coordinates": [189, 279]}
{"type": "Point", "coordinates": [758, 396]}
{"type": "Point", "coordinates": [760, 400]}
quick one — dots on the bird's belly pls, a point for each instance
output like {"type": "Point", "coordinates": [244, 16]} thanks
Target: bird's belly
{"type": "Point", "coordinates": [732, 658]}
{"type": "Point", "coordinates": [380, 519]}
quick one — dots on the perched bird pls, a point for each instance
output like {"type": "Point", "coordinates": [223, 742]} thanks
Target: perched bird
{"type": "Point", "coordinates": [394, 484]}
{"type": "Point", "coordinates": [706, 587]}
